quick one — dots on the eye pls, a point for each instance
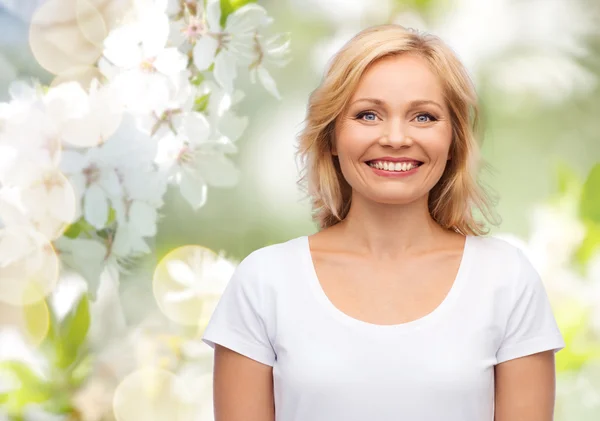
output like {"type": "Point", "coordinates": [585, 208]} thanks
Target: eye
{"type": "Point", "coordinates": [372, 116]}
{"type": "Point", "coordinates": [431, 118]}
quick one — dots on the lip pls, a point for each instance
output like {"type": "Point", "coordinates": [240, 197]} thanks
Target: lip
{"type": "Point", "coordinates": [395, 159]}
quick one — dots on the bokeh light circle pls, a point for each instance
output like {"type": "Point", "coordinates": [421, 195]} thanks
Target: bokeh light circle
{"type": "Point", "coordinates": [151, 394]}
{"type": "Point", "coordinates": [84, 75]}
{"type": "Point", "coordinates": [60, 33]}
{"type": "Point", "coordinates": [188, 283]}
{"type": "Point", "coordinates": [35, 316]}
{"type": "Point", "coordinates": [53, 204]}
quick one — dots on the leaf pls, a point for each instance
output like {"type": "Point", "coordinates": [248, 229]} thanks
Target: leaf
{"type": "Point", "coordinates": [78, 227]}
{"type": "Point", "coordinates": [73, 230]}
{"type": "Point", "coordinates": [230, 6]}
{"type": "Point", "coordinates": [32, 388]}
{"type": "Point", "coordinates": [197, 79]}
{"type": "Point", "coordinates": [26, 376]}
{"type": "Point", "coordinates": [201, 103]}
{"type": "Point", "coordinates": [422, 6]}
{"type": "Point", "coordinates": [112, 216]}
{"type": "Point", "coordinates": [82, 371]}
{"type": "Point", "coordinates": [568, 180]}
{"type": "Point", "coordinates": [589, 206]}
{"type": "Point", "coordinates": [573, 319]}
{"type": "Point", "coordinates": [590, 244]}
{"type": "Point", "coordinates": [73, 331]}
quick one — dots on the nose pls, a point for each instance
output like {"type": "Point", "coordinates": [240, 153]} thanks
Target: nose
{"type": "Point", "coordinates": [395, 134]}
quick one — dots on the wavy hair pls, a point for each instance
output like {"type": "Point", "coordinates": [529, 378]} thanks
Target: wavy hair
{"type": "Point", "coordinates": [458, 194]}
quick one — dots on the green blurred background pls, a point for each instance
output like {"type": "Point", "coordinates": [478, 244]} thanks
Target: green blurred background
{"type": "Point", "coordinates": [536, 66]}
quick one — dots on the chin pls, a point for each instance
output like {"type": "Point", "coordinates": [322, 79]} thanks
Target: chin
{"type": "Point", "coordinates": [388, 199]}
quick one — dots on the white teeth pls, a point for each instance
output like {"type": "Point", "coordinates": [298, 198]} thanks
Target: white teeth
{"type": "Point", "coordinates": [393, 166]}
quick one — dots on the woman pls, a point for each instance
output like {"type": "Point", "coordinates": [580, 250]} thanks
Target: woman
{"type": "Point", "coordinates": [399, 308]}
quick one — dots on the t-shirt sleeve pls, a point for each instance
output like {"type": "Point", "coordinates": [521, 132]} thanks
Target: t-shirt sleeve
{"type": "Point", "coordinates": [531, 326]}
{"type": "Point", "coordinates": [238, 321]}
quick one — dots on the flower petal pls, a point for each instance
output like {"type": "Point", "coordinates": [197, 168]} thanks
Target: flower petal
{"type": "Point", "coordinates": [204, 52]}
{"type": "Point", "coordinates": [268, 82]}
{"type": "Point", "coordinates": [142, 218]}
{"type": "Point", "coordinates": [213, 15]}
{"type": "Point", "coordinates": [196, 127]}
{"type": "Point", "coordinates": [247, 19]}
{"type": "Point", "coordinates": [170, 61]}
{"type": "Point", "coordinates": [121, 47]}
{"type": "Point", "coordinates": [110, 182]}
{"type": "Point", "coordinates": [95, 207]}
{"type": "Point", "coordinates": [193, 189]}
{"type": "Point", "coordinates": [72, 162]}
{"type": "Point", "coordinates": [225, 70]}
{"type": "Point", "coordinates": [176, 36]}
{"type": "Point", "coordinates": [233, 126]}
{"type": "Point", "coordinates": [154, 31]}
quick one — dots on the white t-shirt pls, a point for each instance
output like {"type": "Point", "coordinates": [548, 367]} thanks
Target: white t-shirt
{"type": "Point", "coordinates": [329, 366]}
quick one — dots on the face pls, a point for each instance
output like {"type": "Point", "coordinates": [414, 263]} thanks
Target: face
{"type": "Point", "coordinates": [397, 111]}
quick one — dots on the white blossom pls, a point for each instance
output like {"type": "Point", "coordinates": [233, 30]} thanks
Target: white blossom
{"type": "Point", "coordinates": [225, 47]}
{"type": "Point", "coordinates": [139, 63]}
{"type": "Point", "coordinates": [270, 51]}
{"type": "Point", "coordinates": [86, 119]}
{"type": "Point", "coordinates": [193, 160]}
{"type": "Point", "coordinates": [96, 183]}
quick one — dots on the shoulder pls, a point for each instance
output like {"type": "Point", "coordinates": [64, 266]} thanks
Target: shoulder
{"type": "Point", "coordinates": [507, 261]}
{"type": "Point", "coordinates": [262, 264]}
{"type": "Point", "coordinates": [273, 255]}
{"type": "Point", "coordinates": [497, 252]}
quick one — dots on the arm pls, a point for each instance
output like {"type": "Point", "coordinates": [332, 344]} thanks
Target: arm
{"type": "Point", "coordinates": [525, 388]}
{"type": "Point", "coordinates": [242, 388]}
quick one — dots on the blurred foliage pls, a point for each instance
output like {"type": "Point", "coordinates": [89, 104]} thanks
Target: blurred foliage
{"type": "Point", "coordinates": [237, 220]}
{"type": "Point", "coordinates": [69, 363]}
{"type": "Point", "coordinates": [581, 347]}
{"type": "Point", "coordinates": [230, 6]}
{"type": "Point", "coordinates": [589, 212]}
{"type": "Point", "coordinates": [574, 317]}
{"type": "Point", "coordinates": [586, 195]}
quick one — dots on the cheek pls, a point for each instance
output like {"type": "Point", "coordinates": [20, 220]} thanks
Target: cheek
{"type": "Point", "coordinates": [436, 139]}
{"type": "Point", "coordinates": [353, 137]}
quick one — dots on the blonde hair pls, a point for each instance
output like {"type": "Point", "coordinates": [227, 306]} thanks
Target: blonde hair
{"type": "Point", "coordinates": [452, 198]}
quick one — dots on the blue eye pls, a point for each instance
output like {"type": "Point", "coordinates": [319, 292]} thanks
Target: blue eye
{"type": "Point", "coordinates": [366, 113]}
{"type": "Point", "coordinates": [431, 118]}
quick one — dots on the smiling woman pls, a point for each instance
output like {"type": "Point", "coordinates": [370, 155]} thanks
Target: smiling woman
{"type": "Point", "coordinates": [399, 307]}
{"type": "Point", "coordinates": [431, 84]}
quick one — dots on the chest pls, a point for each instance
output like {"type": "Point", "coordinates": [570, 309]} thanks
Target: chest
{"type": "Point", "coordinates": [385, 294]}
{"type": "Point", "coordinates": [396, 371]}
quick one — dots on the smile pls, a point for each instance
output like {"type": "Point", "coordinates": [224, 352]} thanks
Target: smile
{"type": "Point", "coordinates": [393, 169]}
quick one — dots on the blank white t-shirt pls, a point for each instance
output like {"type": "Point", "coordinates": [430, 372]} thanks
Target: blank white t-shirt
{"type": "Point", "coordinates": [329, 366]}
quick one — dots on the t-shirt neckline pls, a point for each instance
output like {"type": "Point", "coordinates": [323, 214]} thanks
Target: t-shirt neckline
{"type": "Point", "coordinates": [346, 319]}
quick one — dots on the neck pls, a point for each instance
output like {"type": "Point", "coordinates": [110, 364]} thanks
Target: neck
{"type": "Point", "coordinates": [390, 230]}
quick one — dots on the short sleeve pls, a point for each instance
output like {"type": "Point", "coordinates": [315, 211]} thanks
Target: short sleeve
{"type": "Point", "coordinates": [531, 326]}
{"type": "Point", "coordinates": [238, 321]}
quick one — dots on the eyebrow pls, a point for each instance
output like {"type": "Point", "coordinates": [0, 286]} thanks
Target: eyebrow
{"type": "Point", "coordinates": [415, 103]}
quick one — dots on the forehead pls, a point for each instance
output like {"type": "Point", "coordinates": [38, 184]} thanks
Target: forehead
{"type": "Point", "coordinates": [400, 78]}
